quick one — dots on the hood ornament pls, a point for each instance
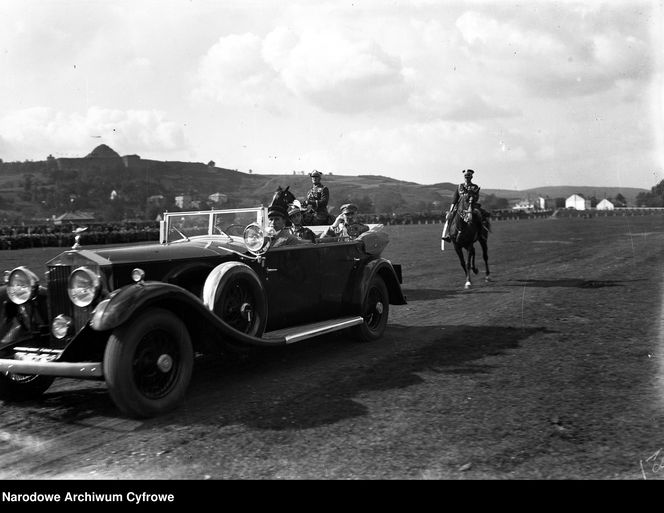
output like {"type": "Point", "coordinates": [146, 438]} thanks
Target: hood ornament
{"type": "Point", "coordinates": [77, 236]}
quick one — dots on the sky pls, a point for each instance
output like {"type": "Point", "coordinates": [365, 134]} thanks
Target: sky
{"type": "Point", "coordinates": [527, 93]}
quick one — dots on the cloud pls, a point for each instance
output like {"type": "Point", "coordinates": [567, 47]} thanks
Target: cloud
{"type": "Point", "coordinates": [44, 130]}
{"type": "Point", "coordinates": [549, 56]}
{"type": "Point", "coordinates": [341, 73]}
{"type": "Point", "coordinates": [327, 69]}
{"type": "Point", "coordinates": [234, 72]}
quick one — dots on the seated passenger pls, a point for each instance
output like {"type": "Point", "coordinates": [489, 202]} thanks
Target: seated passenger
{"type": "Point", "coordinates": [301, 232]}
{"type": "Point", "coordinates": [346, 223]}
{"type": "Point", "coordinates": [281, 236]}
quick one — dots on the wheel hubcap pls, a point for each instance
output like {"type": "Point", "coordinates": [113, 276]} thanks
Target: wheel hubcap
{"type": "Point", "coordinates": [379, 307]}
{"type": "Point", "coordinates": [165, 363]}
{"type": "Point", "coordinates": [246, 311]}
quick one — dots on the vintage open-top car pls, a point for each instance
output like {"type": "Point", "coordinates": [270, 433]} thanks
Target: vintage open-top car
{"type": "Point", "coordinates": [136, 315]}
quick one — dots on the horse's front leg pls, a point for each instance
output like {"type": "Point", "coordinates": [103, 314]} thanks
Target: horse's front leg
{"type": "Point", "coordinates": [472, 259]}
{"type": "Point", "coordinates": [462, 261]}
{"type": "Point", "coordinates": [469, 265]}
{"type": "Point", "coordinates": [485, 256]}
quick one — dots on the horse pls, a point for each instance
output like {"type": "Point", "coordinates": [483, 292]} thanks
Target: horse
{"type": "Point", "coordinates": [468, 227]}
{"type": "Point", "coordinates": [282, 198]}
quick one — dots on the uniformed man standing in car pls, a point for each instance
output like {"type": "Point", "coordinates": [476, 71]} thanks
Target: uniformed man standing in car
{"type": "Point", "coordinates": [316, 201]}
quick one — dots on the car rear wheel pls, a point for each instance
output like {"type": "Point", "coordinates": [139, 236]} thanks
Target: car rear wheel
{"type": "Point", "coordinates": [22, 387]}
{"type": "Point", "coordinates": [148, 363]}
{"type": "Point", "coordinates": [375, 310]}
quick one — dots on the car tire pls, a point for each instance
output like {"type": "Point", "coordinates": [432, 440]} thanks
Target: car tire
{"type": "Point", "coordinates": [375, 310]}
{"type": "Point", "coordinates": [148, 363]}
{"type": "Point", "coordinates": [21, 387]}
{"type": "Point", "coordinates": [236, 295]}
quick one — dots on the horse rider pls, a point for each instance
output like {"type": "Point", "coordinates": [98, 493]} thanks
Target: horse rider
{"type": "Point", "coordinates": [469, 192]}
{"type": "Point", "coordinates": [346, 223]}
{"type": "Point", "coordinates": [316, 200]}
{"type": "Point", "coordinates": [295, 216]}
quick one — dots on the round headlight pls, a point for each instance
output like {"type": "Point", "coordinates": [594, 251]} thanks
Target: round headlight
{"type": "Point", "coordinates": [255, 239]}
{"type": "Point", "coordinates": [22, 285]}
{"type": "Point", "coordinates": [83, 287]}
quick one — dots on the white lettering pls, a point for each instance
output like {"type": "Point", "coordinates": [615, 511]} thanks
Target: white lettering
{"type": "Point", "coordinates": [93, 497]}
{"type": "Point", "coordinates": [149, 497]}
{"type": "Point", "coordinates": [30, 497]}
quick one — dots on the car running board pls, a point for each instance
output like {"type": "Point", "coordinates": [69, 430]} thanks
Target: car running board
{"type": "Point", "coordinates": [305, 331]}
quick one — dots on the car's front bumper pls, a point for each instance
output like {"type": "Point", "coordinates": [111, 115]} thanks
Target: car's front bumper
{"type": "Point", "coordinates": [81, 370]}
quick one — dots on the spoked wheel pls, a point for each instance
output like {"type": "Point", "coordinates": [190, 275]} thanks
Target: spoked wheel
{"type": "Point", "coordinates": [23, 387]}
{"type": "Point", "coordinates": [236, 305]}
{"type": "Point", "coordinates": [239, 298]}
{"type": "Point", "coordinates": [375, 310]}
{"type": "Point", "coordinates": [148, 364]}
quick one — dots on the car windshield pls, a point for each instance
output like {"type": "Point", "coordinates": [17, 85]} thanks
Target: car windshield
{"type": "Point", "coordinates": [225, 223]}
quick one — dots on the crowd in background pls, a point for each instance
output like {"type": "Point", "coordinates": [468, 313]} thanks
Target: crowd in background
{"type": "Point", "coordinates": [49, 235]}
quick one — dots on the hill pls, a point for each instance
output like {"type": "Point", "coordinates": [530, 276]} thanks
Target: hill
{"type": "Point", "coordinates": [143, 188]}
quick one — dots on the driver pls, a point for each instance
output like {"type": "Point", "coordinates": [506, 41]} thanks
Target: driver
{"type": "Point", "coordinates": [281, 236]}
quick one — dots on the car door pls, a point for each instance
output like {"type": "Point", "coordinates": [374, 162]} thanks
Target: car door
{"type": "Point", "coordinates": [293, 285]}
{"type": "Point", "coordinates": [338, 263]}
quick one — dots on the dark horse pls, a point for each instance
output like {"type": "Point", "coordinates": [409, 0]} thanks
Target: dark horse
{"type": "Point", "coordinates": [282, 198]}
{"type": "Point", "coordinates": [467, 228]}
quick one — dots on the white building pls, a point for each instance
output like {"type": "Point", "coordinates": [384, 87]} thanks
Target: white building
{"type": "Point", "coordinates": [524, 205]}
{"type": "Point", "coordinates": [605, 204]}
{"type": "Point", "coordinates": [577, 202]}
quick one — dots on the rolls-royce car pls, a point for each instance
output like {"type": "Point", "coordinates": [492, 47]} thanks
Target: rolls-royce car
{"type": "Point", "coordinates": [136, 315]}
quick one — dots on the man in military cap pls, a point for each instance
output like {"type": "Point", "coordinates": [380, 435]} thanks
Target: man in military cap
{"type": "Point", "coordinates": [295, 216]}
{"type": "Point", "coordinates": [281, 236]}
{"type": "Point", "coordinates": [346, 223]}
{"type": "Point", "coordinates": [466, 194]}
{"type": "Point", "coordinates": [316, 201]}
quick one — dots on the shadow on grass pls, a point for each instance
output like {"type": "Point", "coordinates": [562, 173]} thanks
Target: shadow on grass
{"type": "Point", "coordinates": [391, 363]}
{"type": "Point", "coordinates": [452, 350]}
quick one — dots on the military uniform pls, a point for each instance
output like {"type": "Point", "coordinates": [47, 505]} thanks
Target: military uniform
{"type": "Point", "coordinates": [283, 237]}
{"type": "Point", "coordinates": [317, 199]}
{"type": "Point", "coordinates": [343, 228]}
{"type": "Point", "coordinates": [468, 194]}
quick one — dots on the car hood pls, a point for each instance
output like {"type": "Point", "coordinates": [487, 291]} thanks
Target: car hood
{"type": "Point", "coordinates": [174, 251]}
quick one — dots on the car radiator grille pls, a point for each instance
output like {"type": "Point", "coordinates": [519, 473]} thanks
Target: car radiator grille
{"type": "Point", "coordinates": [58, 299]}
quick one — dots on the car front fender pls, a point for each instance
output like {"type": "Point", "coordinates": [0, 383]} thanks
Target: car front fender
{"type": "Point", "coordinates": [127, 301]}
{"type": "Point", "coordinates": [124, 302]}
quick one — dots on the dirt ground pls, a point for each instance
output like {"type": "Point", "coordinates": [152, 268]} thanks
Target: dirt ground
{"type": "Point", "coordinates": [552, 370]}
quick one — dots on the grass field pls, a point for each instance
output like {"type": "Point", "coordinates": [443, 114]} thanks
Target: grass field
{"type": "Point", "coordinates": [553, 370]}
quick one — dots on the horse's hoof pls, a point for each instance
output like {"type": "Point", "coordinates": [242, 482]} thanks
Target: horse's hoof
{"type": "Point", "coordinates": [487, 278]}
{"type": "Point", "coordinates": [467, 285]}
